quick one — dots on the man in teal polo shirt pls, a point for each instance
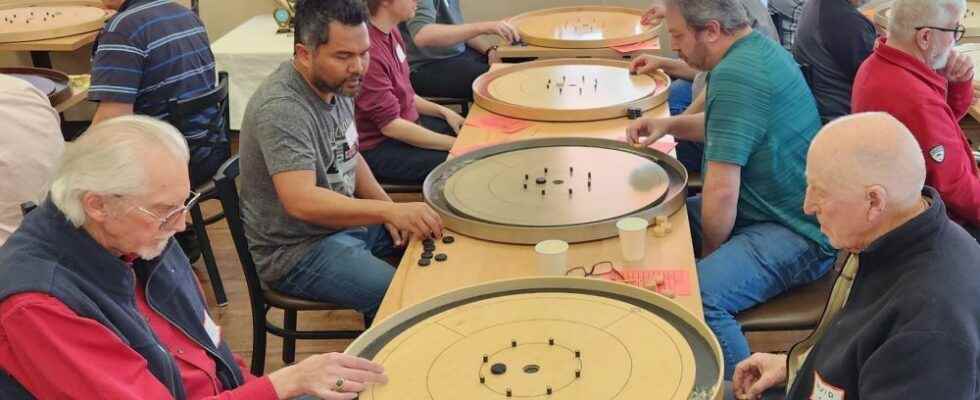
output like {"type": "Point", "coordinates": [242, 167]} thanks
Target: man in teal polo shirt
{"type": "Point", "coordinates": [750, 233]}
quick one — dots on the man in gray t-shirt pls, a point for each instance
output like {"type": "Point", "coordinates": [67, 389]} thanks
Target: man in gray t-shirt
{"type": "Point", "coordinates": [316, 219]}
{"type": "Point", "coordinates": [446, 54]}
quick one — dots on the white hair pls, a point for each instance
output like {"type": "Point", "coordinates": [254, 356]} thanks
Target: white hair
{"type": "Point", "coordinates": [108, 159]}
{"type": "Point", "coordinates": [906, 15]}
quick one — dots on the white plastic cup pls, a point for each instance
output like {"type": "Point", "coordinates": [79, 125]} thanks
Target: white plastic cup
{"type": "Point", "coordinates": [633, 238]}
{"type": "Point", "coordinates": [552, 257]}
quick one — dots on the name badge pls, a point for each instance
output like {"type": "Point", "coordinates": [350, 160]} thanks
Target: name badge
{"type": "Point", "coordinates": [825, 391]}
{"type": "Point", "coordinates": [214, 331]}
{"type": "Point", "coordinates": [400, 53]}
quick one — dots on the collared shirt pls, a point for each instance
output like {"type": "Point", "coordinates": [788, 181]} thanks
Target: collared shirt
{"type": "Point", "coordinates": [153, 51]}
{"type": "Point", "coordinates": [387, 92]}
{"type": "Point", "coordinates": [30, 149]}
{"type": "Point", "coordinates": [930, 106]}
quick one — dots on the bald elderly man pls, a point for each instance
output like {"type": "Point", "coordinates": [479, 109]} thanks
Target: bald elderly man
{"type": "Point", "coordinates": [903, 319]}
{"type": "Point", "coordinates": [97, 301]}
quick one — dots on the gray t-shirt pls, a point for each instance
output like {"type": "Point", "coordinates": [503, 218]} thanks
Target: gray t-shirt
{"type": "Point", "coordinates": [445, 12]}
{"type": "Point", "coordinates": [288, 127]}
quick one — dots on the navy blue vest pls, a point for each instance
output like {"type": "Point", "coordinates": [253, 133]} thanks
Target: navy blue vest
{"type": "Point", "coordinates": [49, 255]}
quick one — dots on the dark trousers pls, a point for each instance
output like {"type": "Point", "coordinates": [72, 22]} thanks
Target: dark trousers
{"type": "Point", "coordinates": [394, 161]}
{"type": "Point", "coordinates": [203, 169]}
{"type": "Point", "coordinates": [451, 77]}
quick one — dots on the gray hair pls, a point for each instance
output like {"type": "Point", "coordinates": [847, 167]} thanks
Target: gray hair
{"type": "Point", "coordinates": [730, 14]}
{"type": "Point", "coordinates": [108, 159]}
{"type": "Point", "coordinates": [906, 15]}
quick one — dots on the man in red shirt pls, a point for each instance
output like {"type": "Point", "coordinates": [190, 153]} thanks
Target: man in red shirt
{"type": "Point", "coordinates": [402, 135]}
{"type": "Point", "coordinates": [98, 302]}
{"type": "Point", "coordinates": [918, 77]}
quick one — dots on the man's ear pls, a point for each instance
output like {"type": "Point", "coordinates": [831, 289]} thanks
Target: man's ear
{"type": "Point", "coordinates": [95, 207]}
{"type": "Point", "coordinates": [877, 198]}
{"type": "Point", "coordinates": [303, 55]}
{"type": "Point", "coordinates": [712, 31]}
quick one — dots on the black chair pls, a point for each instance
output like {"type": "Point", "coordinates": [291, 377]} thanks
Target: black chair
{"type": "Point", "coordinates": [261, 299]}
{"type": "Point", "coordinates": [180, 111]}
{"type": "Point", "coordinates": [27, 207]}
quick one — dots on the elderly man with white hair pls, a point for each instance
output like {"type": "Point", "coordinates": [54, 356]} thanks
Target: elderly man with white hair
{"type": "Point", "coordinates": [750, 234]}
{"type": "Point", "coordinates": [902, 322]}
{"type": "Point", "coordinates": [97, 301]}
{"type": "Point", "coordinates": [917, 76]}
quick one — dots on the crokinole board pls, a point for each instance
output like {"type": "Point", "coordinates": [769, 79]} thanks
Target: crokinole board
{"type": "Point", "coordinates": [566, 90]}
{"type": "Point", "coordinates": [971, 21]}
{"type": "Point", "coordinates": [583, 27]}
{"type": "Point", "coordinates": [47, 22]}
{"type": "Point", "coordinates": [573, 189]}
{"type": "Point", "coordinates": [53, 84]}
{"type": "Point", "coordinates": [577, 338]}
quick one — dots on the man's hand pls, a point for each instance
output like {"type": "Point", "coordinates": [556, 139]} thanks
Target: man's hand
{"type": "Point", "coordinates": [418, 219]}
{"type": "Point", "coordinates": [398, 238]}
{"type": "Point", "coordinates": [646, 64]}
{"type": "Point", "coordinates": [652, 128]}
{"type": "Point", "coordinates": [454, 120]}
{"type": "Point", "coordinates": [959, 68]}
{"type": "Point", "coordinates": [654, 14]}
{"type": "Point", "coordinates": [320, 374]}
{"type": "Point", "coordinates": [758, 373]}
{"type": "Point", "coordinates": [503, 29]}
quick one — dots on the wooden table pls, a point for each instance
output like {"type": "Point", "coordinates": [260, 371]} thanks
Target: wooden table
{"type": "Point", "coordinates": [473, 261]}
{"type": "Point", "coordinates": [40, 49]}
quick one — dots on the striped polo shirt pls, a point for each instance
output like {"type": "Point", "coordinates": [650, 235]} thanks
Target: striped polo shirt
{"type": "Point", "coordinates": [153, 51]}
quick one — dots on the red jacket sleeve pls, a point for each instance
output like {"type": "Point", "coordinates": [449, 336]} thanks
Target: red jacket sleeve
{"type": "Point", "coordinates": [960, 97]}
{"type": "Point", "coordinates": [50, 364]}
{"type": "Point", "coordinates": [949, 168]}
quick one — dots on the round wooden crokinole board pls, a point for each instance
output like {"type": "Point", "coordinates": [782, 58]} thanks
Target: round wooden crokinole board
{"type": "Point", "coordinates": [568, 90]}
{"type": "Point", "coordinates": [47, 22]}
{"type": "Point", "coordinates": [577, 187]}
{"type": "Point", "coordinates": [627, 348]}
{"type": "Point", "coordinates": [583, 27]}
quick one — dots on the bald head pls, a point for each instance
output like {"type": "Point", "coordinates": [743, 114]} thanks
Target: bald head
{"type": "Point", "coordinates": [862, 150]}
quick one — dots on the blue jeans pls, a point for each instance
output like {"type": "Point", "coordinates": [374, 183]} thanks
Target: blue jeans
{"type": "Point", "coordinates": [344, 269]}
{"type": "Point", "coordinates": [757, 262]}
{"type": "Point", "coordinates": [679, 97]}
{"type": "Point", "coordinates": [397, 162]}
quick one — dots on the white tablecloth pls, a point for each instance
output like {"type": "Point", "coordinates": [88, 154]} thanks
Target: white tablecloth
{"type": "Point", "coordinates": [249, 53]}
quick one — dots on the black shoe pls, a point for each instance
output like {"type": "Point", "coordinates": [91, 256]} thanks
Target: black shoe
{"type": "Point", "coordinates": [188, 242]}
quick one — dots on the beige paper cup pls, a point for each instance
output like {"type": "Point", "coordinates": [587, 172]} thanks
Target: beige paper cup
{"type": "Point", "coordinates": [552, 256]}
{"type": "Point", "coordinates": [633, 238]}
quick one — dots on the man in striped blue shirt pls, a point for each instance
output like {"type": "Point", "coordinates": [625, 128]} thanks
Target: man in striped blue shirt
{"type": "Point", "coordinates": [150, 52]}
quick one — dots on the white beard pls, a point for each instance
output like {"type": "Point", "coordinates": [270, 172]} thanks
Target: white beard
{"type": "Point", "coordinates": [153, 251]}
{"type": "Point", "coordinates": [939, 61]}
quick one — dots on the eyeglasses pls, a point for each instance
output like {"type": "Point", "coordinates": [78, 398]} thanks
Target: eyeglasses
{"type": "Point", "coordinates": [602, 269]}
{"type": "Point", "coordinates": [173, 215]}
{"type": "Point", "coordinates": [958, 31]}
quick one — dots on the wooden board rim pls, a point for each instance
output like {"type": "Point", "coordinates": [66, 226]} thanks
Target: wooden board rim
{"type": "Point", "coordinates": [382, 330]}
{"type": "Point", "coordinates": [583, 44]}
{"type": "Point", "coordinates": [482, 98]}
{"type": "Point", "coordinates": [59, 95]}
{"type": "Point", "coordinates": [77, 29]}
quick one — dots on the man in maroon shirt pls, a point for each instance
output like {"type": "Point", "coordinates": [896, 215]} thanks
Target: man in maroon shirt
{"type": "Point", "coordinates": [918, 77]}
{"type": "Point", "coordinates": [98, 302]}
{"type": "Point", "coordinates": [403, 136]}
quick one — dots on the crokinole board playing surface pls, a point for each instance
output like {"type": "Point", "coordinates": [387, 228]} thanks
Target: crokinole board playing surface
{"type": "Point", "coordinates": [514, 188]}
{"type": "Point", "coordinates": [583, 27]}
{"type": "Point", "coordinates": [48, 22]}
{"type": "Point", "coordinates": [523, 338]}
{"type": "Point", "coordinates": [565, 90]}
{"type": "Point", "coordinates": [568, 188]}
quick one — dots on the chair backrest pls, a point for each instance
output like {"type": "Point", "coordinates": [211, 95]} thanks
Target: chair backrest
{"type": "Point", "coordinates": [224, 184]}
{"type": "Point", "coordinates": [182, 111]}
